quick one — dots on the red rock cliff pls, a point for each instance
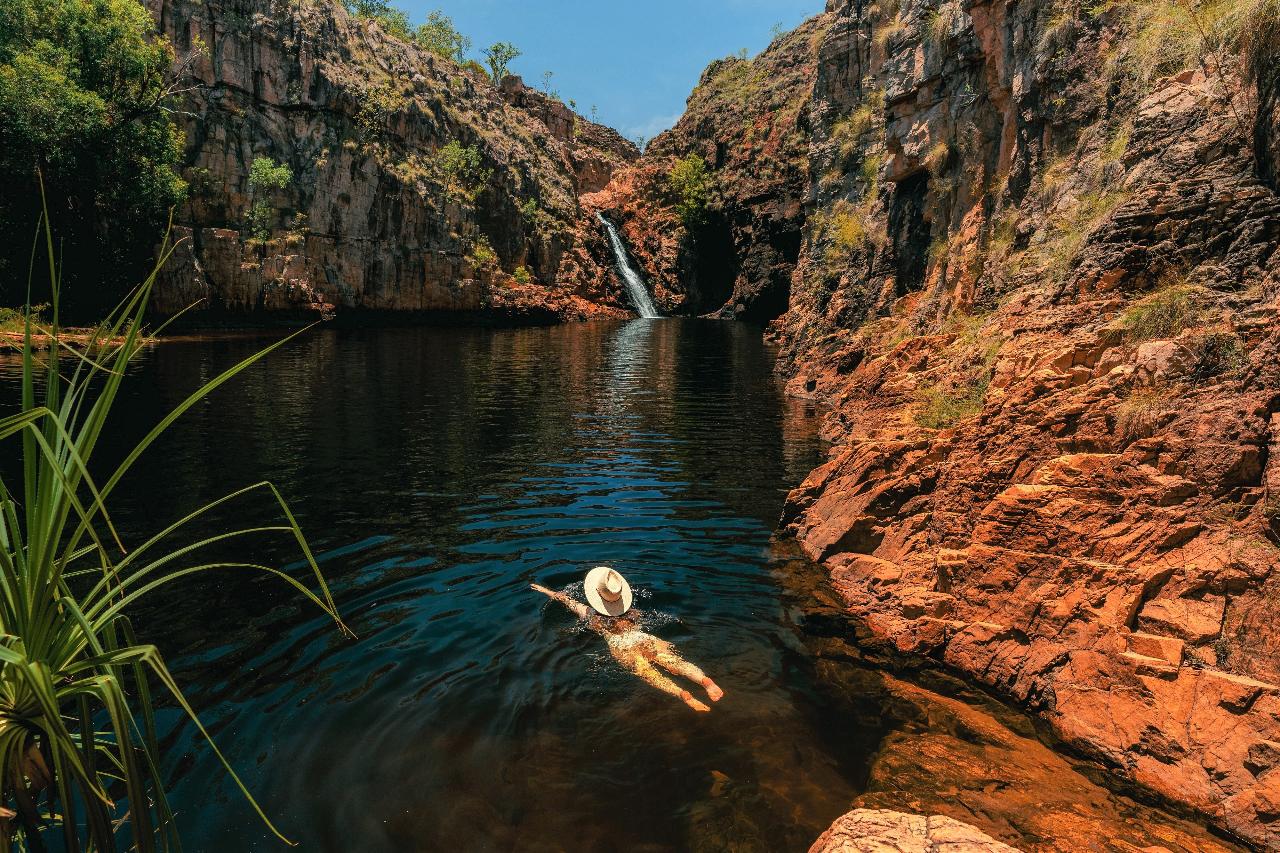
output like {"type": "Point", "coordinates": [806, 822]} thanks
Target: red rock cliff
{"type": "Point", "coordinates": [1037, 285]}
{"type": "Point", "coordinates": [373, 218]}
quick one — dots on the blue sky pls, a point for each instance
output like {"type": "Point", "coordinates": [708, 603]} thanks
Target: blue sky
{"type": "Point", "coordinates": [637, 60]}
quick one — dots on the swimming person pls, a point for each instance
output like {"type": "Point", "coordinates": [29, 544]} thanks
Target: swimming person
{"type": "Point", "coordinates": [609, 595]}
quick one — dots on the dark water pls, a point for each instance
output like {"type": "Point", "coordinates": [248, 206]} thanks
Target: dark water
{"type": "Point", "coordinates": [437, 473]}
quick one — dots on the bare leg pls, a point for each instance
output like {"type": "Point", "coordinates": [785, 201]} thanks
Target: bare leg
{"type": "Point", "coordinates": [641, 667]}
{"type": "Point", "coordinates": [669, 659]}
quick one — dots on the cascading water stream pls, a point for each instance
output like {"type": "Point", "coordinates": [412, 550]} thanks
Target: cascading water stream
{"type": "Point", "coordinates": [631, 279]}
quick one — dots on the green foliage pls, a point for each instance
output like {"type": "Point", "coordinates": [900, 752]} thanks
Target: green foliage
{"type": "Point", "coordinates": [13, 321]}
{"type": "Point", "coordinates": [690, 182]}
{"type": "Point", "coordinates": [499, 56]}
{"type": "Point", "coordinates": [79, 747]}
{"type": "Point", "coordinates": [1222, 651]}
{"type": "Point", "coordinates": [1057, 33]}
{"type": "Point", "coordinates": [1117, 144]}
{"type": "Point", "coordinates": [1069, 227]}
{"type": "Point", "coordinates": [441, 37]}
{"type": "Point", "coordinates": [265, 176]}
{"type": "Point", "coordinates": [891, 30]}
{"type": "Point", "coordinates": [936, 158]}
{"type": "Point", "coordinates": [522, 275]}
{"type": "Point", "coordinates": [938, 250]}
{"type": "Point", "coordinates": [1164, 314]}
{"type": "Point", "coordinates": [377, 105]}
{"type": "Point", "coordinates": [849, 132]}
{"type": "Point", "coordinates": [737, 81]}
{"type": "Point", "coordinates": [482, 254]}
{"type": "Point", "coordinates": [848, 230]}
{"type": "Point", "coordinates": [461, 169]}
{"type": "Point", "coordinates": [84, 88]}
{"type": "Point", "coordinates": [395, 22]}
{"type": "Point", "coordinates": [534, 216]}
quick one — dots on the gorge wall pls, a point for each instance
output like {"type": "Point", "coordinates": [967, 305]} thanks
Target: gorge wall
{"type": "Point", "coordinates": [1033, 269]}
{"type": "Point", "coordinates": [377, 216]}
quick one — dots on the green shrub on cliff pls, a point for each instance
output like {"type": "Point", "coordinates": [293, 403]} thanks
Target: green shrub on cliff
{"type": "Point", "coordinates": [482, 254]}
{"type": "Point", "coordinates": [378, 103]}
{"type": "Point", "coordinates": [941, 22]}
{"type": "Point", "coordinates": [1142, 412]}
{"type": "Point", "coordinates": [84, 93]}
{"type": "Point", "coordinates": [1215, 354]}
{"type": "Point", "coordinates": [690, 182]}
{"type": "Point", "coordinates": [462, 170]}
{"type": "Point", "coordinates": [265, 176]}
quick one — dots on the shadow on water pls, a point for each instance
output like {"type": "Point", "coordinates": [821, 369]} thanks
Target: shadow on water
{"type": "Point", "coordinates": [437, 473]}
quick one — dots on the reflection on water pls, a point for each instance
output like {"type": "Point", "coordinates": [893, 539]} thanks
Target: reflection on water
{"type": "Point", "coordinates": [438, 472]}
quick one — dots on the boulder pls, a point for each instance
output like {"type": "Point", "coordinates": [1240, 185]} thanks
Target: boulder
{"type": "Point", "coordinates": [880, 831]}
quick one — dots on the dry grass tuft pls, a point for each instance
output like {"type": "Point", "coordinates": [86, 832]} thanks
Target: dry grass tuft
{"type": "Point", "coordinates": [1142, 413]}
{"type": "Point", "coordinates": [1166, 313]}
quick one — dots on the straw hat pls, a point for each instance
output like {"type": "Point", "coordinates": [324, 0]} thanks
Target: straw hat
{"type": "Point", "coordinates": [607, 591]}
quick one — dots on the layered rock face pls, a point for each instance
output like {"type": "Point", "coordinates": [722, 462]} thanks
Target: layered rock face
{"type": "Point", "coordinates": [380, 213]}
{"type": "Point", "coordinates": [1037, 287]}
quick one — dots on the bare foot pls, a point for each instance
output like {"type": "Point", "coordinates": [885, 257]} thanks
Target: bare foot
{"type": "Point", "coordinates": [713, 690]}
{"type": "Point", "coordinates": [693, 703]}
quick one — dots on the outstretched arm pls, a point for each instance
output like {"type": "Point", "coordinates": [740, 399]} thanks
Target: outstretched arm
{"type": "Point", "coordinates": [576, 606]}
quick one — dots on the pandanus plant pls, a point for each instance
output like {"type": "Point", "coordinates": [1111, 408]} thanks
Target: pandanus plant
{"type": "Point", "coordinates": [79, 750]}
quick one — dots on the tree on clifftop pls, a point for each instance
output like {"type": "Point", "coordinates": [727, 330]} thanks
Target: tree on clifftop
{"type": "Point", "coordinates": [83, 94]}
{"type": "Point", "coordinates": [441, 37]}
{"type": "Point", "coordinates": [498, 56]}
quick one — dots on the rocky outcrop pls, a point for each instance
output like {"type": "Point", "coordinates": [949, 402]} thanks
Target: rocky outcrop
{"type": "Point", "coordinates": [1037, 288]}
{"type": "Point", "coordinates": [377, 216]}
{"type": "Point", "coordinates": [877, 830]}
{"type": "Point", "coordinates": [967, 757]}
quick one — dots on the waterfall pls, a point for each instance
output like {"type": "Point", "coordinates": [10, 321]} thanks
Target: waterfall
{"type": "Point", "coordinates": [631, 279]}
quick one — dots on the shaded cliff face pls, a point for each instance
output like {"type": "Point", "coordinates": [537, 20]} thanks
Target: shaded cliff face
{"type": "Point", "coordinates": [1037, 287]}
{"type": "Point", "coordinates": [378, 215]}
